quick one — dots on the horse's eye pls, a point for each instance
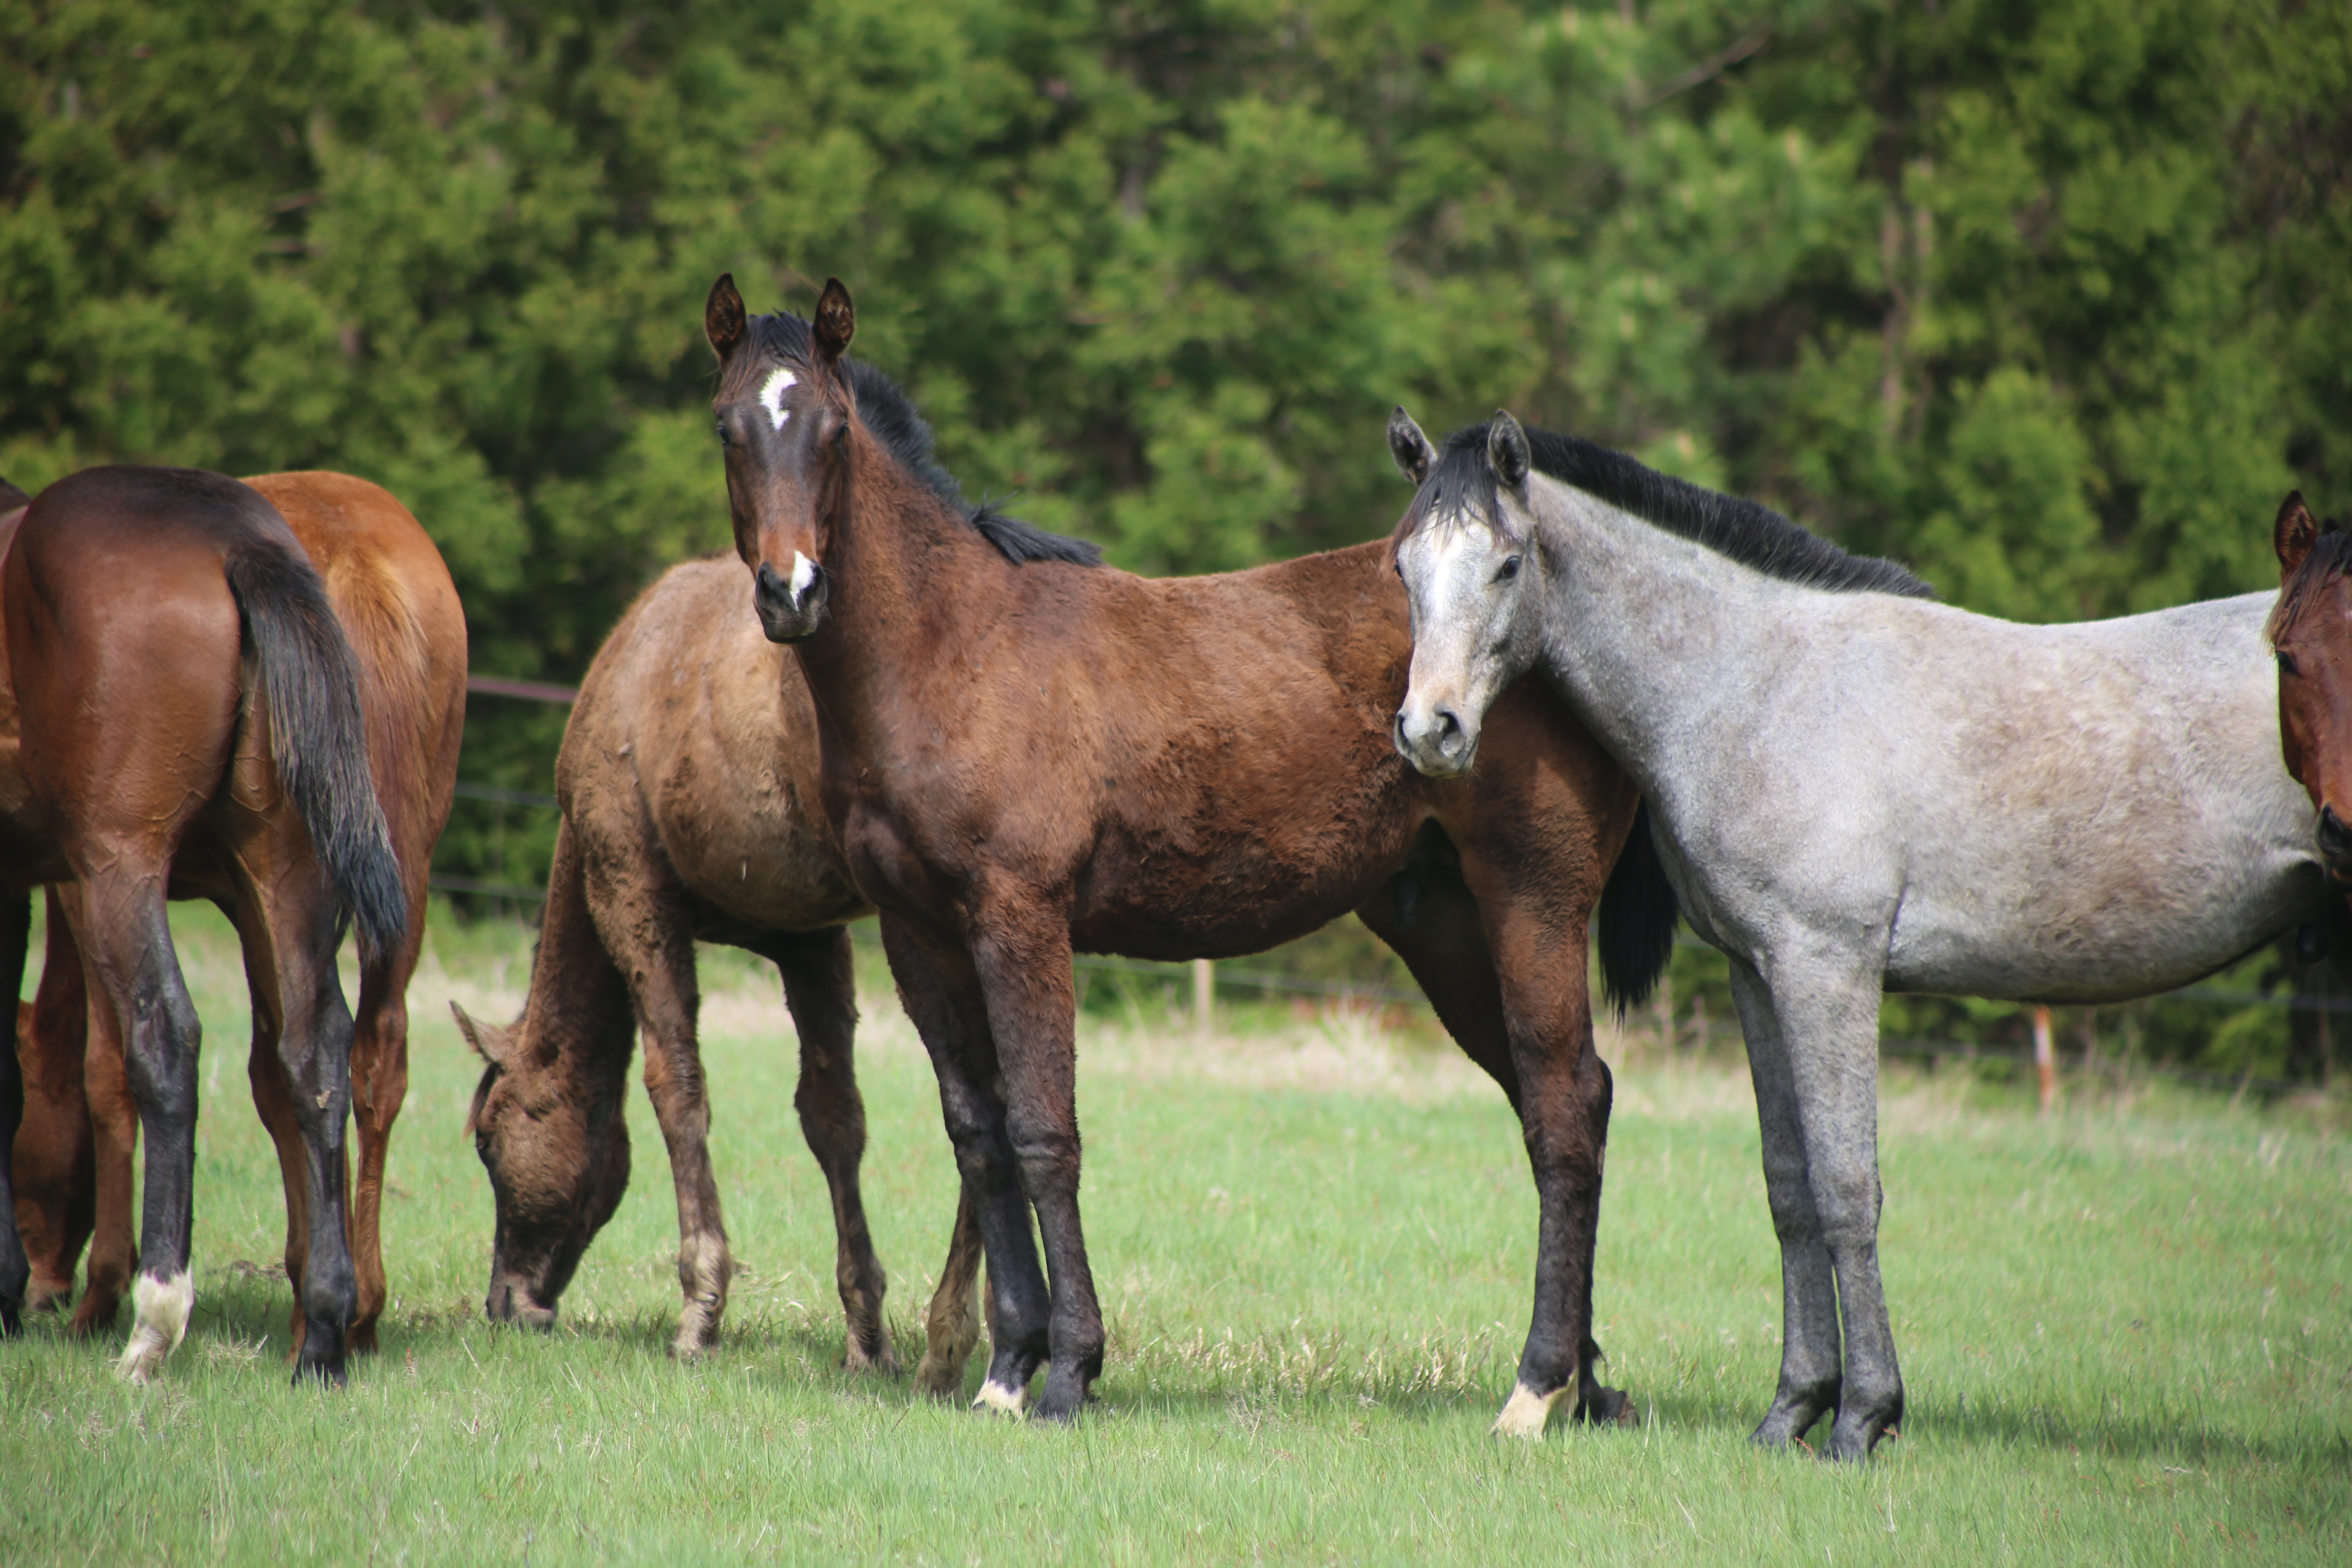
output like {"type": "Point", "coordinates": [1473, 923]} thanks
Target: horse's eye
{"type": "Point", "coordinates": [1510, 568]}
{"type": "Point", "coordinates": [718, 428]}
{"type": "Point", "coordinates": [2286, 663]}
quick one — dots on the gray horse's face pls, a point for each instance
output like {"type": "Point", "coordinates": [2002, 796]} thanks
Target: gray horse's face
{"type": "Point", "coordinates": [1473, 575]}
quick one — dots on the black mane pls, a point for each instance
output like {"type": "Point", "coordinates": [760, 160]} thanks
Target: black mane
{"type": "Point", "coordinates": [1747, 531]}
{"type": "Point", "coordinates": [891, 415]}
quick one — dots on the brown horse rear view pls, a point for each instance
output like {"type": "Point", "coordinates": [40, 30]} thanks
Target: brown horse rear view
{"type": "Point", "coordinates": [183, 710]}
{"type": "Point", "coordinates": [392, 596]}
{"type": "Point", "coordinates": [1027, 754]}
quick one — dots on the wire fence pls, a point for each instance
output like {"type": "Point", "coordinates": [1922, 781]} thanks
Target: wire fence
{"type": "Point", "coordinates": [1275, 982]}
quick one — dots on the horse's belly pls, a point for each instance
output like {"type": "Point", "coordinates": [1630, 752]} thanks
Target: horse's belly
{"type": "Point", "coordinates": [2059, 951]}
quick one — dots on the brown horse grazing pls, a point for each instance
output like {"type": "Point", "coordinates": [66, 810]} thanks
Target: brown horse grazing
{"type": "Point", "coordinates": [2311, 631]}
{"type": "Point", "coordinates": [1028, 753]}
{"type": "Point", "coordinates": [689, 780]}
{"type": "Point", "coordinates": [189, 721]}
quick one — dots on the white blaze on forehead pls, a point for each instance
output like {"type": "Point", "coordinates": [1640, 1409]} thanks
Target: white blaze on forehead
{"type": "Point", "coordinates": [804, 574]}
{"type": "Point", "coordinates": [772, 396]}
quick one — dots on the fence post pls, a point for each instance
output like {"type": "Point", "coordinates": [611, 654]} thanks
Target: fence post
{"type": "Point", "coordinates": [2045, 1062]}
{"type": "Point", "coordinates": [1205, 995]}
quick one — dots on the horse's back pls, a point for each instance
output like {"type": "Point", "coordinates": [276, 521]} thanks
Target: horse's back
{"type": "Point", "coordinates": [124, 641]}
{"type": "Point", "coordinates": [393, 594]}
{"type": "Point", "coordinates": [691, 724]}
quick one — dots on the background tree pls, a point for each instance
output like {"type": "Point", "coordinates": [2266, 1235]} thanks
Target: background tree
{"type": "Point", "coordinates": [2048, 299]}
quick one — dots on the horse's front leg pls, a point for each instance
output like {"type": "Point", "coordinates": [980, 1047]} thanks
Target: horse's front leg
{"type": "Point", "coordinates": [821, 989]}
{"type": "Point", "coordinates": [1827, 1009]}
{"type": "Point", "coordinates": [1023, 958]}
{"type": "Point", "coordinates": [1808, 1318]}
{"type": "Point", "coordinates": [943, 997]}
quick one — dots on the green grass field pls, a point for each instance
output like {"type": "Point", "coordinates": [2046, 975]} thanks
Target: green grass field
{"type": "Point", "coordinates": [2126, 1331]}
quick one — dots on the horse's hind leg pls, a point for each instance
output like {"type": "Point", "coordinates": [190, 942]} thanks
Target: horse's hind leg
{"type": "Point", "coordinates": [379, 1087]}
{"type": "Point", "coordinates": [821, 990]}
{"type": "Point", "coordinates": [286, 917]}
{"type": "Point", "coordinates": [15, 930]}
{"type": "Point", "coordinates": [54, 1167]}
{"type": "Point", "coordinates": [141, 1016]}
{"type": "Point", "coordinates": [114, 1141]}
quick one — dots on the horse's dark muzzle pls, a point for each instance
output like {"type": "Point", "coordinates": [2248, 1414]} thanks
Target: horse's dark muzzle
{"type": "Point", "coordinates": [784, 616]}
{"type": "Point", "coordinates": [2334, 842]}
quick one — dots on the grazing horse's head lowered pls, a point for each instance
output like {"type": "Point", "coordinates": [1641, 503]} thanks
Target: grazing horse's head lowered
{"type": "Point", "coordinates": [2311, 631]}
{"type": "Point", "coordinates": [785, 404]}
{"type": "Point", "coordinates": [1460, 546]}
{"type": "Point", "coordinates": [558, 1161]}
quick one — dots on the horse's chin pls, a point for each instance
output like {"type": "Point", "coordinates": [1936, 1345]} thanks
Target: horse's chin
{"type": "Point", "coordinates": [791, 629]}
{"type": "Point", "coordinates": [1431, 762]}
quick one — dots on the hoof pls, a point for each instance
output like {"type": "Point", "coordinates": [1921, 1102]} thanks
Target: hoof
{"type": "Point", "coordinates": [939, 1379]}
{"type": "Point", "coordinates": [884, 1364]}
{"type": "Point", "coordinates": [12, 1318]}
{"type": "Point", "coordinates": [999, 1400]}
{"type": "Point", "coordinates": [1528, 1413]}
{"type": "Point", "coordinates": [1610, 1407]}
{"type": "Point", "coordinates": [163, 1307]}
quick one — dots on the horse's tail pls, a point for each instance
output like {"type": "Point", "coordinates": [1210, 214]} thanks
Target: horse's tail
{"type": "Point", "coordinates": [317, 735]}
{"type": "Point", "coordinates": [1638, 916]}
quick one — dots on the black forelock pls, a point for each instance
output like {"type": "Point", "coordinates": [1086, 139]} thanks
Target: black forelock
{"type": "Point", "coordinates": [1744, 531]}
{"type": "Point", "coordinates": [886, 411]}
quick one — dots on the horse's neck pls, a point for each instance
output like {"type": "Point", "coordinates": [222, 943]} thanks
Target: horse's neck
{"type": "Point", "coordinates": [896, 594]}
{"type": "Point", "coordinates": [1658, 642]}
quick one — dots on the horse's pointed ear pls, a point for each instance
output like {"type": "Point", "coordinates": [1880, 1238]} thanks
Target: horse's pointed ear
{"type": "Point", "coordinates": [2293, 534]}
{"type": "Point", "coordinates": [836, 320]}
{"type": "Point", "coordinates": [490, 1043]}
{"type": "Point", "coordinates": [722, 317]}
{"type": "Point", "coordinates": [1413, 454]}
{"type": "Point", "coordinates": [1506, 449]}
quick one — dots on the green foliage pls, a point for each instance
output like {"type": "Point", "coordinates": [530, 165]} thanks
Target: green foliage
{"type": "Point", "coordinates": [2048, 299]}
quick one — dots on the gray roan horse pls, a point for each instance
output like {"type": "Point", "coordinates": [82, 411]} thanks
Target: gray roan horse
{"type": "Point", "coordinates": [1855, 790]}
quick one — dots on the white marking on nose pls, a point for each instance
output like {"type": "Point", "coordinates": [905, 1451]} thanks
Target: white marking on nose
{"type": "Point", "coordinates": [803, 575]}
{"type": "Point", "coordinates": [772, 396]}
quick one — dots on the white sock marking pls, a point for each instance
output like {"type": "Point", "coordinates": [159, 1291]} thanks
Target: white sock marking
{"type": "Point", "coordinates": [1528, 1413]}
{"type": "Point", "coordinates": [772, 396]}
{"type": "Point", "coordinates": [994, 1396]}
{"type": "Point", "coordinates": [163, 1308]}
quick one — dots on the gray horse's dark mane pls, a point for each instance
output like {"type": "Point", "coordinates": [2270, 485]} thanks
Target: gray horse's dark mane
{"type": "Point", "coordinates": [891, 415]}
{"type": "Point", "coordinates": [1744, 531]}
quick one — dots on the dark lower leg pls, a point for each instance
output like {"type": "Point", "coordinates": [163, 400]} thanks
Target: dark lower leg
{"type": "Point", "coordinates": [15, 1271]}
{"type": "Point", "coordinates": [54, 1165]}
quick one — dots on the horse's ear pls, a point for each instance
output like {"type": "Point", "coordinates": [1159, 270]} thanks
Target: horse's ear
{"type": "Point", "coordinates": [492, 1043]}
{"type": "Point", "coordinates": [1506, 449]}
{"type": "Point", "coordinates": [722, 317]}
{"type": "Point", "coordinates": [2293, 534]}
{"type": "Point", "coordinates": [836, 320]}
{"type": "Point", "coordinates": [1413, 454]}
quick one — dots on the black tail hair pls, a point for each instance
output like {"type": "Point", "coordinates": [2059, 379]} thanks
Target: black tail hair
{"type": "Point", "coordinates": [317, 735]}
{"type": "Point", "coordinates": [1638, 917]}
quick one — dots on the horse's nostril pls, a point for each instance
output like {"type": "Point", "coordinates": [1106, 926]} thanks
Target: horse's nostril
{"type": "Point", "coordinates": [1449, 728]}
{"type": "Point", "coordinates": [2335, 839]}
